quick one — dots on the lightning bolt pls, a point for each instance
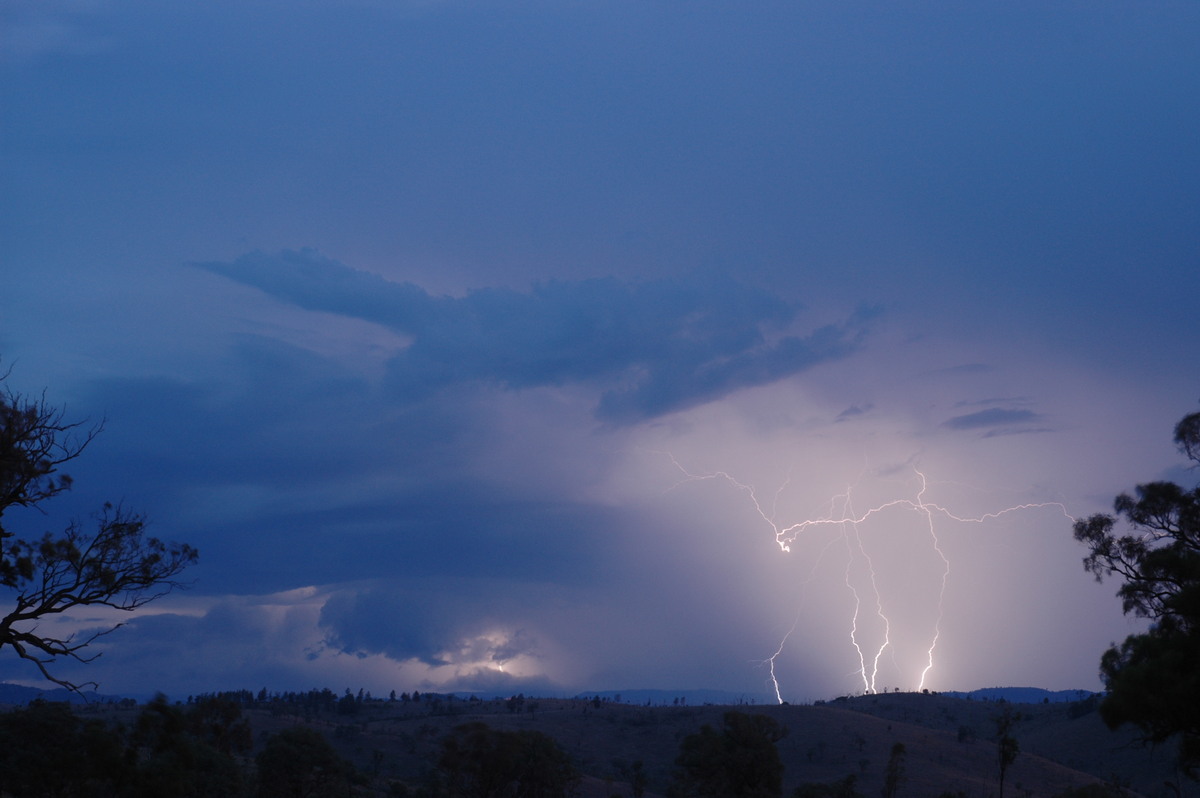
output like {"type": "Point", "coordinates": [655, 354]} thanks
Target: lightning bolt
{"type": "Point", "coordinates": [868, 684]}
{"type": "Point", "coordinates": [845, 522]}
{"type": "Point", "coordinates": [770, 661]}
{"type": "Point", "coordinates": [937, 625]}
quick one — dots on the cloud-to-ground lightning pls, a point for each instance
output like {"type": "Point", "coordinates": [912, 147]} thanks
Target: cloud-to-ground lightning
{"type": "Point", "coordinates": [843, 520]}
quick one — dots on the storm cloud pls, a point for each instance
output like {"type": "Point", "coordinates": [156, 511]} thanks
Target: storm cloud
{"type": "Point", "coordinates": [665, 345]}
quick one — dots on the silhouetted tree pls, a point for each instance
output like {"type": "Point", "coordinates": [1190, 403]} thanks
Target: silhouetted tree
{"type": "Point", "coordinates": [480, 762]}
{"type": "Point", "coordinates": [1152, 678]}
{"type": "Point", "coordinates": [300, 763]}
{"type": "Point", "coordinates": [740, 761]}
{"type": "Point", "coordinates": [638, 780]}
{"type": "Point", "coordinates": [346, 705]}
{"type": "Point", "coordinates": [893, 775]}
{"type": "Point", "coordinates": [171, 758]}
{"type": "Point", "coordinates": [1006, 745]}
{"type": "Point", "coordinates": [218, 721]}
{"type": "Point", "coordinates": [48, 750]}
{"type": "Point", "coordinates": [114, 564]}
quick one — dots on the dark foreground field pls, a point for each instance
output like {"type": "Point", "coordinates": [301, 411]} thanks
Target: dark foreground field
{"type": "Point", "coordinates": [949, 742]}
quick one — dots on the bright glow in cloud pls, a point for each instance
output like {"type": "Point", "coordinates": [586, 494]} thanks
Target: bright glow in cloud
{"type": "Point", "coordinates": [862, 577]}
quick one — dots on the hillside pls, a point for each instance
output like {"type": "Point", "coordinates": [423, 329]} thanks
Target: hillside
{"type": "Point", "coordinates": [948, 741]}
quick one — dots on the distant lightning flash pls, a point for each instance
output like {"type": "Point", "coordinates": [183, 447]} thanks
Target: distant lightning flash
{"type": "Point", "coordinates": [859, 550]}
{"type": "Point", "coordinates": [843, 519]}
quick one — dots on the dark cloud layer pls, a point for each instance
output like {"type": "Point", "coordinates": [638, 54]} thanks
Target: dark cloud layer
{"type": "Point", "coordinates": [992, 418]}
{"type": "Point", "coordinates": [427, 622]}
{"type": "Point", "coordinates": [666, 344]}
{"type": "Point", "coordinates": [314, 478]}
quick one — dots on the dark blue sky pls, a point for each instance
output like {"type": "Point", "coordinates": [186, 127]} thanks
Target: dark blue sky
{"type": "Point", "coordinates": [491, 345]}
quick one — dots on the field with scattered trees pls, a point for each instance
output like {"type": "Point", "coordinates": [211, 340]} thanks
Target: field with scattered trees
{"type": "Point", "coordinates": [320, 743]}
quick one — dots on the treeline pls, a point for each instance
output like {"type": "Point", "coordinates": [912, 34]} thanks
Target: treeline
{"type": "Point", "coordinates": [313, 703]}
{"type": "Point", "coordinates": [202, 749]}
{"type": "Point", "coordinates": [206, 747]}
{"type": "Point", "coordinates": [324, 698]}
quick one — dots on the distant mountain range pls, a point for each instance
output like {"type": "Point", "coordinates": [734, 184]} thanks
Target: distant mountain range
{"type": "Point", "coordinates": [1014, 695]}
{"type": "Point", "coordinates": [20, 695]}
{"type": "Point", "coordinates": [1021, 695]}
{"type": "Point", "coordinates": [658, 698]}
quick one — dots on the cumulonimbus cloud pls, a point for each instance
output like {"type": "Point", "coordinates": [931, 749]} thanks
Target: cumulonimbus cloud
{"type": "Point", "coordinates": [650, 347]}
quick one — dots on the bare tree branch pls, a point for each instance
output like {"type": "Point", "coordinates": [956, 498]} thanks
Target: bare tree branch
{"type": "Point", "coordinates": [115, 566]}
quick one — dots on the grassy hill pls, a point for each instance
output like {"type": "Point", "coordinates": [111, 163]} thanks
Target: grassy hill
{"type": "Point", "coordinates": [948, 740]}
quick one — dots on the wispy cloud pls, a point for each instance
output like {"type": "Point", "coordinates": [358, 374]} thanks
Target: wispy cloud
{"type": "Point", "coordinates": [854, 411]}
{"type": "Point", "coordinates": [650, 348]}
{"type": "Point", "coordinates": [994, 417]}
{"type": "Point", "coordinates": [996, 400]}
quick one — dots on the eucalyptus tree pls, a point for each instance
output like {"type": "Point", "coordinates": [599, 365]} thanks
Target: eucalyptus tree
{"type": "Point", "coordinates": [109, 561]}
{"type": "Point", "coordinates": [1152, 678]}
